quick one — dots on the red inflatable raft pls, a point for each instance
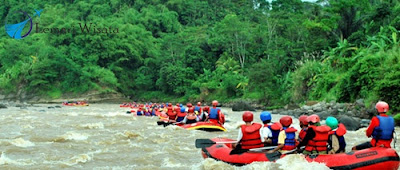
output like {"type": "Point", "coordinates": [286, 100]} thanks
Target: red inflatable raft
{"type": "Point", "coordinates": [367, 159]}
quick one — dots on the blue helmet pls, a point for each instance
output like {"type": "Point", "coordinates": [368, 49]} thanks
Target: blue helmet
{"type": "Point", "coordinates": [265, 115]}
{"type": "Point", "coordinates": [180, 105]}
{"type": "Point", "coordinates": [182, 109]}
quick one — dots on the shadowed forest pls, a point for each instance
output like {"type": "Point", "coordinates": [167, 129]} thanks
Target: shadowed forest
{"type": "Point", "coordinates": [279, 52]}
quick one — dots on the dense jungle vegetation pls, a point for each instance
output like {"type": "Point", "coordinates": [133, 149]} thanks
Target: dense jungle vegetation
{"type": "Point", "coordinates": [278, 52]}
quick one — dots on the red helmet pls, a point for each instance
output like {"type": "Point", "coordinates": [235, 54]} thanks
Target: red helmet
{"type": "Point", "coordinates": [198, 103]}
{"type": "Point", "coordinates": [206, 108]}
{"type": "Point", "coordinates": [286, 121]}
{"type": "Point", "coordinates": [177, 104]}
{"type": "Point", "coordinates": [313, 118]}
{"type": "Point", "coordinates": [382, 107]}
{"type": "Point", "coordinates": [247, 116]}
{"type": "Point", "coordinates": [214, 103]}
{"type": "Point", "coordinates": [303, 119]}
{"type": "Point", "coordinates": [189, 105]}
{"type": "Point", "coordinates": [191, 110]}
{"type": "Point", "coordinates": [169, 104]}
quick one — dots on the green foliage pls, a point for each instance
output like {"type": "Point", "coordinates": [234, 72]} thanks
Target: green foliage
{"type": "Point", "coordinates": [304, 79]}
{"type": "Point", "coordinates": [275, 52]}
{"type": "Point", "coordinates": [397, 118]}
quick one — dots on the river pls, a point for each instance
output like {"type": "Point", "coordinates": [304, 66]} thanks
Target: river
{"type": "Point", "coordinates": [103, 136]}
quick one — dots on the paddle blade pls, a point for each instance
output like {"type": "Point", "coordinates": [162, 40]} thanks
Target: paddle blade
{"type": "Point", "coordinates": [160, 122]}
{"type": "Point", "coordinates": [202, 143]}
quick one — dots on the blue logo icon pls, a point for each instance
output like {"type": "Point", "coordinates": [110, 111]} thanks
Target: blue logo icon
{"type": "Point", "coordinates": [15, 28]}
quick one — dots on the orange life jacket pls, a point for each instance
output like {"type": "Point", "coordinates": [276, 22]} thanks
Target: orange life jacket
{"type": "Point", "coordinates": [320, 141]}
{"type": "Point", "coordinates": [251, 136]}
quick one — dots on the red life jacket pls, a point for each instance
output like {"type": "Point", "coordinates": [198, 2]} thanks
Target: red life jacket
{"type": "Point", "coordinates": [302, 133]}
{"type": "Point", "coordinates": [171, 114]}
{"type": "Point", "coordinates": [320, 141]}
{"type": "Point", "coordinates": [181, 114]}
{"type": "Point", "coordinates": [191, 117]}
{"type": "Point", "coordinates": [251, 136]}
{"type": "Point", "coordinates": [170, 109]}
{"type": "Point", "coordinates": [177, 110]}
{"type": "Point", "coordinates": [290, 141]}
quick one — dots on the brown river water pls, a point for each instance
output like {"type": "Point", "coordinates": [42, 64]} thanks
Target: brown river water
{"type": "Point", "coordinates": [103, 136]}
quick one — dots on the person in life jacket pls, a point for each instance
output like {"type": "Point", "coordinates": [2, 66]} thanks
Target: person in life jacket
{"type": "Point", "coordinates": [188, 105]}
{"type": "Point", "coordinates": [171, 114]}
{"type": "Point", "coordinates": [303, 126]}
{"type": "Point", "coordinates": [204, 115]}
{"type": "Point", "coordinates": [270, 130]}
{"type": "Point", "coordinates": [381, 128]}
{"type": "Point", "coordinates": [190, 117]}
{"type": "Point", "coordinates": [287, 137]}
{"type": "Point", "coordinates": [197, 109]}
{"type": "Point", "coordinates": [147, 111]}
{"type": "Point", "coordinates": [250, 134]}
{"type": "Point", "coordinates": [316, 139]}
{"type": "Point", "coordinates": [181, 114]}
{"type": "Point", "coordinates": [139, 112]}
{"type": "Point", "coordinates": [336, 141]}
{"type": "Point", "coordinates": [215, 115]}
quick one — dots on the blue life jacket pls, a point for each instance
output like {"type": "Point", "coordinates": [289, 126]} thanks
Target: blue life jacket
{"type": "Point", "coordinates": [342, 143]}
{"type": "Point", "coordinates": [197, 108]}
{"type": "Point", "coordinates": [179, 119]}
{"type": "Point", "coordinates": [275, 135]}
{"type": "Point", "coordinates": [214, 113]}
{"type": "Point", "coordinates": [290, 137]}
{"type": "Point", "coordinates": [153, 113]}
{"type": "Point", "coordinates": [385, 129]}
{"type": "Point", "coordinates": [139, 113]}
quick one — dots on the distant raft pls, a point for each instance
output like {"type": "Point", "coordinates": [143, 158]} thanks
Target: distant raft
{"type": "Point", "coordinates": [371, 158]}
{"type": "Point", "coordinates": [75, 104]}
{"type": "Point", "coordinates": [205, 126]}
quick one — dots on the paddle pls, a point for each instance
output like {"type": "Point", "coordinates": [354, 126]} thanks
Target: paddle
{"type": "Point", "coordinates": [171, 123]}
{"type": "Point", "coordinates": [202, 143]}
{"type": "Point", "coordinates": [167, 123]}
{"type": "Point", "coordinates": [263, 148]}
{"type": "Point", "coordinates": [161, 122]}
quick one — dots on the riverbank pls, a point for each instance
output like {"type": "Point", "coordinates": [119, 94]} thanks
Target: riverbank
{"type": "Point", "coordinates": [90, 97]}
